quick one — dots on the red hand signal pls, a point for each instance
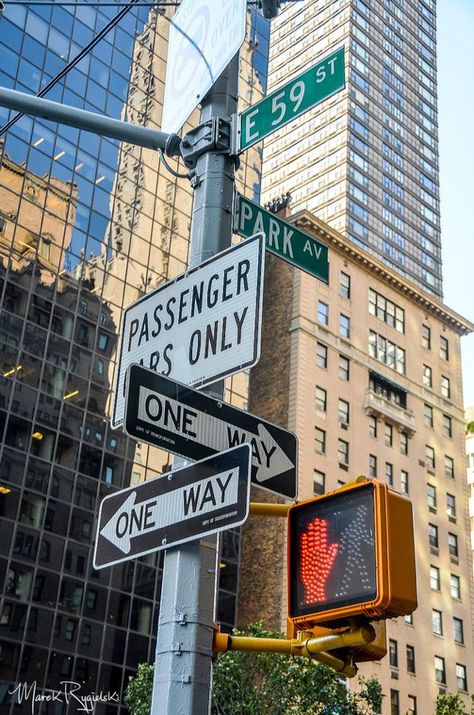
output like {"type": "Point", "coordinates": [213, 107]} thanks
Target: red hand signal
{"type": "Point", "coordinates": [317, 559]}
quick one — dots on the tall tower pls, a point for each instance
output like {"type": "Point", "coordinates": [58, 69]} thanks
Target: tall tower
{"type": "Point", "coordinates": [365, 161]}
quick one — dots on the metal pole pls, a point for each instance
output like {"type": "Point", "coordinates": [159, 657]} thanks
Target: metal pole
{"type": "Point", "coordinates": [89, 121]}
{"type": "Point", "coordinates": [182, 679]}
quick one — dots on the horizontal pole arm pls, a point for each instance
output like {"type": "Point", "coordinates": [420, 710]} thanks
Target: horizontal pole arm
{"type": "Point", "coordinates": [90, 121]}
{"type": "Point", "coordinates": [264, 509]}
{"type": "Point", "coordinates": [315, 648]}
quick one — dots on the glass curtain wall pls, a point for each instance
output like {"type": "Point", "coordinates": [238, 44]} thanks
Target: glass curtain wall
{"type": "Point", "coordinates": [87, 225]}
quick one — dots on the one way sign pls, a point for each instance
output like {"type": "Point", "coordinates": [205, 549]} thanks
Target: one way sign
{"type": "Point", "coordinates": [181, 506]}
{"type": "Point", "coordinates": [178, 418]}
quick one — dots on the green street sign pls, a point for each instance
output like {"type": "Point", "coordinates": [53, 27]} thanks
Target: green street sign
{"type": "Point", "coordinates": [282, 238]}
{"type": "Point", "coordinates": [285, 104]}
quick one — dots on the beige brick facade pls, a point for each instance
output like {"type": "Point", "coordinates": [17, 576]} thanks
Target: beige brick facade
{"type": "Point", "coordinates": [399, 405]}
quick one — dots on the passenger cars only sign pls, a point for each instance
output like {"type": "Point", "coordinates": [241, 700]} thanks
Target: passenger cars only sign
{"type": "Point", "coordinates": [202, 326]}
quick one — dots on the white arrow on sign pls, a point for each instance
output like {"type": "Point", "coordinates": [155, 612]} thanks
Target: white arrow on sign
{"type": "Point", "coordinates": [132, 520]}
{"type": "Point", "coordinates": [209, 430]}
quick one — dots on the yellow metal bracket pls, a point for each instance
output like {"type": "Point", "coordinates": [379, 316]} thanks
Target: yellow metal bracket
{"type": "Point", "coordinates": [304, 645]}
{"type": "Point", "coordinates": [267, 509]}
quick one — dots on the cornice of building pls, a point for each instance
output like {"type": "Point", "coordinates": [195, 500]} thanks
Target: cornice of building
{"type": "Point", "coordinates": [46, 183]}
{"type": "Point", "coordinates": [311, 224]}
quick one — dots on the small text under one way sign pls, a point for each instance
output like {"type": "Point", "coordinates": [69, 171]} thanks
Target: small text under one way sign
{"type": "Point", "coordinates": [203, 326]}
{"type": "Point", "coordinates": [177, 507]}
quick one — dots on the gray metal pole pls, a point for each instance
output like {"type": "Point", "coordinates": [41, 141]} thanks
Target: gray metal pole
{"type": "Point", "coordinates": [97, 123]}
{"type": "Point", "coordinates": [182, 679]}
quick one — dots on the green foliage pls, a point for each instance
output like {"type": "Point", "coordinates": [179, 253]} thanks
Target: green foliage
{"type": "Point", "coordinates": [449, 704]}
{"type": "Point", "coordinates": [139, 689]}
{"type": "Point", "coordinates": [270, 684]}
{"type": "Point", "coordinates": [470, 427]}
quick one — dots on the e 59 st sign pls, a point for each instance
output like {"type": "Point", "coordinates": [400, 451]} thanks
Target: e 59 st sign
{"type": "Point", "coordinates": [285, 104]}
{"type": "Point", "coordinates": [201, 327]}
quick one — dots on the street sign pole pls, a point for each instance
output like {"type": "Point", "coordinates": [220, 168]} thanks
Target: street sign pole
{"type": "Point", "coordinates": [182, 676]}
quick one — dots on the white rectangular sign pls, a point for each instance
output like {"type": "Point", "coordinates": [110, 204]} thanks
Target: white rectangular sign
{"type": "Point", "coordinates": [187, 504]}
{"type": "Point", "coordinates": [200, 327]}
{"type": "Point", "coordinates": [204, 36]}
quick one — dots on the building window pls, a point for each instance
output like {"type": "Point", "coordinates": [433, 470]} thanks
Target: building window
{"type": "Point", "coordinates": [433, 538]}
{"type": "Point", "coordinates": [437, 622]}
{"type": "Point", "coordinates": [435, 582]}
{"type": "Point", "coordinates": [458, 630]}
{"type": "Point", "coordinates": [455, 586]}
{"type": "Point", "coordinates": [102, 342]}
{"type": "Point", "coordinates": [403, 443]}
{"type": "Point", "coordinates": [344, 326]}
{"type": "Point", "coordinates": [426, 337]}
{"type": "Point", "coordinates": [387, 311]}
{"type": "Point", "coordinates": [319, 483]}
{"type": "Point", "coordinates": [447, 426]}
{"type": "Point", "coordinates": [343, 411]}
{"type": "Point", "coordinates": [320, 440]}
{"type": "Point", "coordinates": [430, 456]}
{"type": "Point", "coordinates": [431, 496]}
{"type": "Point", "coordinates": [428, 415]}
{"type": "Point", "coordinates": [386, 352]}
{"type": "Point", "coordinates": [408, 619]}
{"type": "Point", "coordinates": [321, 399]}
{"type": "Point", "coordinates": [404, 482]}
{"type": "Point", "coordinates": [70, 630]}
{"type": "Point", "coordinates": [343, 452]}
{"type": "Point", "coordinates": [410, 659]}
{"type": "Point", "coordinates": [451, 506]}
{"type": "Point", "coordinates": [323, 313]}
{"type": "Point", "coordinates": [445, 387]}
{"type": "Point", "coordinates": [321, 355]}
{"type": "Point", "coordinates": [412, 705]}
{"type": "Point", "coordinates": [453, 545]}
{"type": "Point", "coordinates": [394, 702]}
{"type": "Point", "coordinates": [440, 670]}
{"type": "Point", "coordinates": [389, 474]}
{"type": "Point", "coordinates": [448, 466]}
{"type": "Point", "coordinates": [461, 677]}
{"type": "Point", "coordinates": [372, 465]}
{"type": "Point", "coordinates": [393, 653]}
{"type": "Point", "coordinates": [372, 426]}
{"type": "Point", "coordinates": [388, 435]}
{"type": "Point", "coordinates": [344, 285]}
{"type": "Point", "coordinates": [343, 367]}
{"type": "Point", "coordinates": [427, 376]}
{"type": "Point", "coordinates": [444, 348]}
{"type": "Point", "coordinates": [45, 250]}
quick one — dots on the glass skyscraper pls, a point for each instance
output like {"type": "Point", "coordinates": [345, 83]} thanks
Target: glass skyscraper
{"type": "Point", "coordinates": [87, 225]}
{"type": "Point", "coordinates": [366, 160]}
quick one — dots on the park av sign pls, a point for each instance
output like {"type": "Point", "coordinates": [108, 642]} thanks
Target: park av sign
{"type": "Point", "coordinates": [200, 327]}
{"type": "Point", "coordinates": [282, 238]}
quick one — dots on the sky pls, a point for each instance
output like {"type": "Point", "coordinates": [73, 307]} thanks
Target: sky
{"type": "Point", "coordinates": [455, 22]}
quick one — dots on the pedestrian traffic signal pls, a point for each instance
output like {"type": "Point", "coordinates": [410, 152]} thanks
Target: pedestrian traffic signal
{"type": "Point", "coordinates": [351, 553]}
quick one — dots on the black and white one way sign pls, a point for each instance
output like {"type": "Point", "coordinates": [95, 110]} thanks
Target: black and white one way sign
{"type": "Point", "coordinates": [201, 327]}
{"type": "Point", "coordinates": [181, 506]}
{"type": "Point", "coordinates": [177, 418]}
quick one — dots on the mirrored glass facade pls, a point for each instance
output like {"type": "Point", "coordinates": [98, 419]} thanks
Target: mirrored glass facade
{"type": "Point", "coordinates": [87, 225]}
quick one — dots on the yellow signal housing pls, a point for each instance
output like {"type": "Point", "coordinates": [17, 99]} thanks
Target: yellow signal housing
{"type": "Point", "coordinates": [351, 553]}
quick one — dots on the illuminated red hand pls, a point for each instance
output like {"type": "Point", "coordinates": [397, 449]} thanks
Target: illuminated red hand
{"type": "Point", "coordinates": [317, 559]}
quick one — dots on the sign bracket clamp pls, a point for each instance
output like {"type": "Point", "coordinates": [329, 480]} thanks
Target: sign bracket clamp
{"type": "Point", "coordinates": [213, 135]}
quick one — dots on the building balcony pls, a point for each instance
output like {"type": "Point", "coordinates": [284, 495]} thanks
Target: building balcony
{"type": "Point", "coordinates": [375, 404]}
